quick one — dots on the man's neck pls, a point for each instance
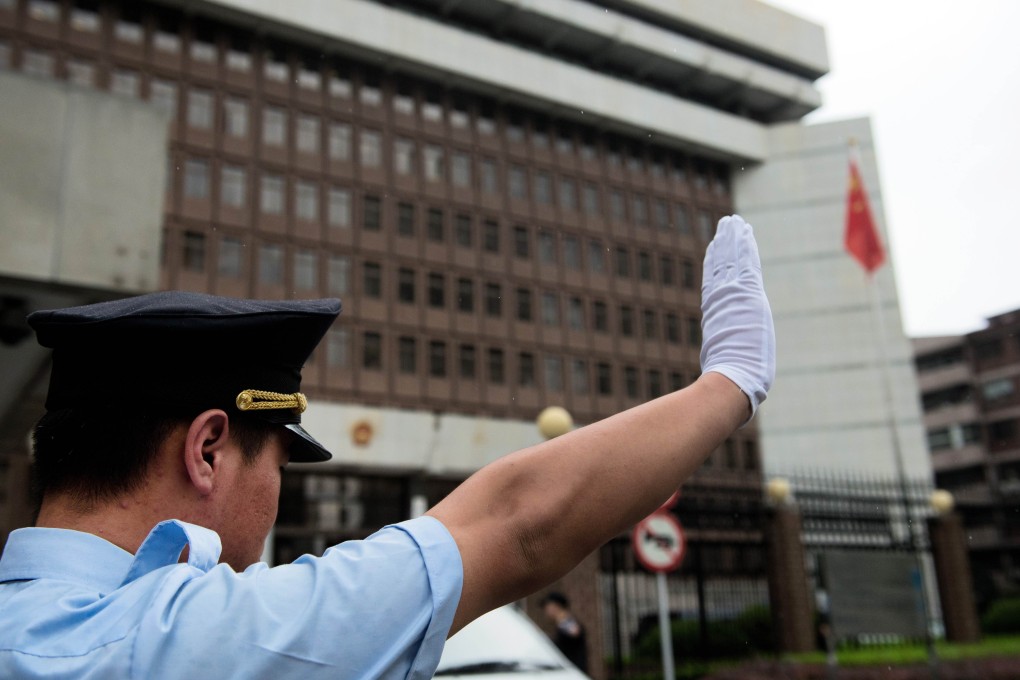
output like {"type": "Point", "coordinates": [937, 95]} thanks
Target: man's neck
{"type": "Point", "coordinates": [124, 522]}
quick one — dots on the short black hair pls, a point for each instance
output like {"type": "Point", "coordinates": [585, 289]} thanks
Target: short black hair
{"type": "Point", "coordinates": [95, 455]}
{"type": "Point", "coordinates": [558, 598]}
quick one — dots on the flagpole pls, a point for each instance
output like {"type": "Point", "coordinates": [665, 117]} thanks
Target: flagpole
{"type": "Point", "coordinates": [901, 474]}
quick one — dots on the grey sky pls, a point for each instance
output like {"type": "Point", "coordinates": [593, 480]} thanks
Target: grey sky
{"type": "Point", "coordinates": [941, 82]}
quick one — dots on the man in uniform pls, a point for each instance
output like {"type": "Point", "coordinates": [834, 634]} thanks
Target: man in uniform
{"type": "Point", "coordinates": [170, 418]}
{"type": "Point", "coordinates": [570, 634]}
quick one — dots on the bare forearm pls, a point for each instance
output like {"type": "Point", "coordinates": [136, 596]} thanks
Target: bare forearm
{"type": "Point", "coordinates": [558, 501]}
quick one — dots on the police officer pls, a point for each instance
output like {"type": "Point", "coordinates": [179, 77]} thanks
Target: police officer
{"type": "Point", "coordinates": [170, 418]}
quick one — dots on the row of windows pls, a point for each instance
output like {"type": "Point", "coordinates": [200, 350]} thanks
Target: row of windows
{"type": "Point", "coordinates": [467, 361]}
{"type": "Point", "coordinates": [410, 98]}
{"type": "Point", "coordinates": [442, 291]}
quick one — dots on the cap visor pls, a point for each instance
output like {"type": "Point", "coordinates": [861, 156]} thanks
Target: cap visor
{"type": "Point", "coordinates": [306, 449]}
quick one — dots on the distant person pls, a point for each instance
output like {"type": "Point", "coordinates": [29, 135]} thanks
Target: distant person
{"type": "Point", "coordinates": [570, 636]}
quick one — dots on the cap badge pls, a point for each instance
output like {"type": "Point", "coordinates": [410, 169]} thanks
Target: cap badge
{"type": "Point", "coordinates": [261, 400]}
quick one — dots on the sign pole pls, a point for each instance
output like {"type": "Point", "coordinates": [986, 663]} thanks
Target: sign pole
{"type": "Point", "coordinates": [665, 631]}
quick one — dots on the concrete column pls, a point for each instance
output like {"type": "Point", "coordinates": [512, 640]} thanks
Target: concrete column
{"type": "Point", "coordinates": [791, 603]}
{"type": "Point", "coordinates": [952, 569]}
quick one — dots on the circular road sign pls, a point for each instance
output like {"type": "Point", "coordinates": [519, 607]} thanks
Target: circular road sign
{"type": "Point", "coordinates": [659, 542]}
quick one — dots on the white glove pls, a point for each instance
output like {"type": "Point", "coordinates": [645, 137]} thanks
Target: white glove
{"type": "Point", "coordinates": [738, 338]}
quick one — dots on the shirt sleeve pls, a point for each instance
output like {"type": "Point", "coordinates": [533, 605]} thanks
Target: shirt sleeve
{"type": "Point", "coordinates": [377, 608]}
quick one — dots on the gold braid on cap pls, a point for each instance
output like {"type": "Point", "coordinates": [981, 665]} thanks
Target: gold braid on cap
{"type": "Point", "coordinates": [260, 400]}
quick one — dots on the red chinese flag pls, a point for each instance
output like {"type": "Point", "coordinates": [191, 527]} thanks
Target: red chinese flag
{"type": "Point", "coordinates": [861, 238]}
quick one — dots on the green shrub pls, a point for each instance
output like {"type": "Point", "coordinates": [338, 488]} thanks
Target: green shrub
{"type": "Point", "coordinates": [1003, 616]}
{"type": "Point", "coordinates": [748, 634]}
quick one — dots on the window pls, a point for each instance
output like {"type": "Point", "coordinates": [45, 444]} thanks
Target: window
{"type": "Point", "coordinates": [660, 214]}
{"type": "Point", "coordinates": [491, 236]}
{"type": "Point", "coordinates": [403, 156]}
{"type": "Point", "coordinates": [306, 270]}
{"type": "Point", "coordinates": [309, 78]}
{"type": "Point", "coordinates": [493, 299]}
{"type": "Point", "coordinates": [405, 285]}
{"type": "Point", "coordinates": [340, 141]}
{"type": "Point", "coordinates": [44, 10]}
{"type": "Point", "coordinates": [408, 351]}
{"type": "Point", "coordinates": [338, 348]}
{"type": "Point", "coordinates": [37, 63]}
{"type": "Point", "coordinates": [84, 20]}
{"type": "Point", "coordinates": [467, 361]}
{"type": "Point", "coordinates": [571, 252]}
{"type": "Point", "coordinates": [437, 359]}
{"type": "Point", "coordinates": [235, 117]}
{"type": "Point", "coordinates": [126, 83]}
{"type": "Point", "coordinates": [433, 160]}
{"type": "Point", "coordinates": [683, 221]}
{"type": "Point", "coordinates": [196, 178]}
{"type": "Point", "coordinates": [238, 60]}
{"type": "Point", "coordinates": [166, 41]}
{"type": "Point", "coordinates": [497, 371]}
{"type": "Point", "coordinates": [274, 69]}
{"type": "Point", "coordinates": [579, 376]}
{"type": "Point", "coordinates": [687, 275]}
{"type": "Point", "coordinates": [202, 51]}
{"type": "Point", "coordinates": [998, 389]}
{"type": "Point", "coordinates": [568, 194]}
{"type": "Point", "coordinates": [230, 260]}
{"type": "Point", "coordinates": [630, 381]}
{"type": "Point", "coordinates": [434, 227]}
{"type": "Point", "coordinates": [575, 313]}
{"type": "Point", "coordinates": [616, 208]}
{"type": "Point", "coordinates": [370, 94]}
{"type": "Point", "coordinates": [489, 176]}
{"type": "Point", "coordinates": [271, 195]}
{"type": "Point", "coordinates": [694, 330]}
{"type": "Point", "coordinates": [485, 122]}
{"type": "Point", "coordinates": [522, 246]}
{"type": "Point", "coordinates": [194, 251]}
{"type": "Point", "coordinates": [466, 295]}
{"type": "Point", "coordinates": [603, 378]}
{"type": "Point", "coordinates": [200, 107]}
{"type": "Point", "coordinates": [526, 369]}
{"type": "Point", "coordinates": [676, 381]}
{"type": "Point", "coordinates": [524, 312]}
{"type": "Point", "coordinates": [622, 261]}
{"type": "Point", "coordinates": [639, 210]}
{"type": "Point", "coordinates": [338, 274]}
{"type": "Point", "coordinates": [306, 197]}
{"type": "Point", "coordinates": [600, 316]}
{"type": "Point", "coordinates": [546, 247]}
{"type": "Point", "coordinates": [274, 126]}
{"type": "Point", "coordinates": [339, 86]}
{"type": "Point", "coordinates": [590, 198]}
{"type": "Point", "coordinates": [516, 180]}
{"type": "Point", "coordinates": [626, 321]}
{"type": "Point", "coordinates": [666, 273]}
{"type": "Point", "coordinates": [371, 351]}
{"type": "Point", "coordinates": [553, 374]}
{"type": "Point", "coordinates": [644, 266]}
{"type": "Point", "coordinates": [403, 102]}
{"type": "Point", "coordinates": [339, 209]}
{"type": "Point", "coordinates": [271, 264]}
{"type": "Point", "coordinates": [460, 170]}
{"type": "Point", "coordinates": [307, 134]}
{"type": "Point", "coordinates": [128, 32]}
{"type": "Point", "coordinates": [704, 226]}
{"type": "Point", "coordinates": [597, 257]}
{"type": "Point", "coordinates": [431, 109]}
{"type": "Point", "coordinates": [405, 219]}
{"type": "Point", "coordinates": [463, 231]}
{"type": "Point", "coordinates": [84, 73]}
{"type": "Point", "coordinates": [233, 185]}
{"type": "Point", "coordinates": [543, 187]}
{"type": "Point", "coordinates": [371, 216]}
{"type": "Point", "coordinates": [372, 280]}
{"type": "Point", "coordinates": [371, 149]}
{"type": "Point", "coordinates": [672, 328]}
{"type": "Point", "coordinates": [550, 309]}
{"type": "Point", "coordinates": [437, 290]}
{"type": "Point", "coordinates": [651, 324]}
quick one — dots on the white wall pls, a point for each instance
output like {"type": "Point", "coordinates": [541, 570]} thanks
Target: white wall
{"type": "Point", "coordinates": [828, 407]}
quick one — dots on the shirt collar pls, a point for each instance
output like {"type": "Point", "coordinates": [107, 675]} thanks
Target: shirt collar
{"type": "Point", "coordinates": [65, 555]}
{"type": "Point", "coordinates": [91, 561]}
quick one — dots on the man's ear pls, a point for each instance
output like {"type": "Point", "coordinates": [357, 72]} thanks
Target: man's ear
{"type": "Point", "coordinates": [203, 444]}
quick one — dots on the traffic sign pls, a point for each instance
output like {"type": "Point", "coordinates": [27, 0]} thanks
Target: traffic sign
{"type": "Point", "coordinates": [659, 542]}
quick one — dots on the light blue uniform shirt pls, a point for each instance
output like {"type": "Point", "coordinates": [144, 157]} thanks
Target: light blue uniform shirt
{"type": "Point", "coordinates": [73, 605]}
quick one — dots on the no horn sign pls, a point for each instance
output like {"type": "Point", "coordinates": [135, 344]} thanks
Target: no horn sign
{"type": "Point", "coordinates": [659, 542]}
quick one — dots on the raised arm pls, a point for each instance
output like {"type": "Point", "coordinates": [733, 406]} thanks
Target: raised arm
{"type": "Point", "coordinates": [528, 518]}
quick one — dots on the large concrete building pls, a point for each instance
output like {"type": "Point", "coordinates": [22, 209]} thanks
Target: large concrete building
{"type": "Point", "coordinates": [512, 198]}
{"type": "Point", "coordinates": [970, 390]}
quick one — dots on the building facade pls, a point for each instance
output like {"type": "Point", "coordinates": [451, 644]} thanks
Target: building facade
{"type": "Point", "coordinates": [970, 390]}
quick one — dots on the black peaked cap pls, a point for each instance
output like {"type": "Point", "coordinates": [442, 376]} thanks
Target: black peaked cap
{"type": "Point", "coordinates": [180, 349]}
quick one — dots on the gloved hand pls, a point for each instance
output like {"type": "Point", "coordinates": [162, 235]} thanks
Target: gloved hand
{"type": "Point", "coordinates": [738, 337]}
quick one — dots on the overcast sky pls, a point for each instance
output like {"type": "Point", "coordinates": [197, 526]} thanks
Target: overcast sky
{"type": "Point", "coordinates": [941, 82]}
